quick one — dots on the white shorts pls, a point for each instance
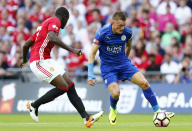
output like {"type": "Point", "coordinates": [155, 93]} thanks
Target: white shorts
{"type": "Point", "coordinates": [46, 70]}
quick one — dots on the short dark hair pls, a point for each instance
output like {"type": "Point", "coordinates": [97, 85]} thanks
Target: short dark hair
{"type": "Point", "coordinates": [146, 11]}
{"type": "Point", "coordinates": [96, 10]}
{"type": "Point", "coordinates": [62, 11]}
{"type": "Point", "coordinates": [119, 15]}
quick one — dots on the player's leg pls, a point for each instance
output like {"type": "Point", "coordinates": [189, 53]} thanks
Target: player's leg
{"type": "Point", "coordinates": [113, 87]}
{"type": "Point", "coordinates": [49, 96]}
{"type": "Point", "coordinates": [78, 104]}
{"type": "Point", "coordinates": [74, 98]}
{"type": "Point", "coordinates": [53, 93]}
{"type": "Point", "coordinates": [114, 97]}
{"type": "Point", "coordinates": [115, 93]}
{"type": "Point", "coordinates": [45, 70]}
{"type": "Point", "coordinates": [139, 79]}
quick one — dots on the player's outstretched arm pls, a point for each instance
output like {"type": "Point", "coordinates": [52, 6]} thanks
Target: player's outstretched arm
{"type": "Point", "coordinates": [26, 47]}
{"type": "Point", "coordinates": [53, 37]}
{"type": "Point", "coordinates": [91, 77]}
{"type": "Point", "coordinates": [128, 47]}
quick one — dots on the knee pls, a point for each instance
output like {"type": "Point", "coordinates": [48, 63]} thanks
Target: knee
{"type": "Point", "coordinates": [116, 93]}
{"type": "Point", "coordinates": [144, 85]}
{"type": "Point", "coordinates": [66, 87]}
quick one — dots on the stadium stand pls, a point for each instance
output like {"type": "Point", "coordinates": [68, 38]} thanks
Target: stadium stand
{"type": "Point", "coordinates": [162, 41]}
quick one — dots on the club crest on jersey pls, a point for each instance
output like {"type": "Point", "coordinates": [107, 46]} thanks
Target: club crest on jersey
{"type": "Point", "coordinates": [52, 69]}
{"type": "Point", "coordinates": [123, 37]}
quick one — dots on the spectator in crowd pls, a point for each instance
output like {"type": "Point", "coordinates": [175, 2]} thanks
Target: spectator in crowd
{"type": "Point", "coordinates": [153, 47]}
{"type": "Point", "coordinates": [77, 64]}
{"type": "Point", "coordinates": [7, 21]}
{"type": "Point", "coordinates": [152, 64]}
{"type": "Point", "coordinates": [185, 30]}
{"type": "Point", "coordinates": [176, 52]}
{"type": "Point", "coordinates": [22, 15]}
{"type": "Point", "coordinates": [27, 7]}
{"type": "Point", "coordinates": [35, 15]}
{"type": "Point", "coordinates": [141, 60]}
{"type": "Point", "coordinates": [187, 46]}
{"type": "Point", "coordinates": [20, 18]}
{"type": "Point", "coordinates": [184, 75]}
{"type": "Point", "coordinates": [169, 68]}
{"type": "Point", "coordinates": [153, 67]}
{"type": "Point", "coordinates": [168, 35]}
{"type": "Point", "coordinates": [133, 23]}
{"type": "Point", "coordinates": [69, 35]}
{"type": "Point", "coordinates": [3, 34]}
{"type": "Point", "coordinates": [188, 59]}
{"type": "Point", "coordinates": [162, 7]}
{"type": "Point", "coordinates": [166, 18]}
{"type": "Point", "coordinates": [135, 4]}
{"type": "Point", "coordinates": [58, 58]}
{"type": "Point", "coordinates": [146, 24]}
{"type": "Point", "coordinates": [157, 41]}
{"type": "Point", "coordinates": [3, 65]}
{"type": "Point", "coordinates": [183, 12]}
{"type": "Point", "coordinates": [97, 18]}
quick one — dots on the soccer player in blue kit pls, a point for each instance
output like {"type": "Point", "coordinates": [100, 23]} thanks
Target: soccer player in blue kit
{"type": "Point", "coordinates": [114, 44]}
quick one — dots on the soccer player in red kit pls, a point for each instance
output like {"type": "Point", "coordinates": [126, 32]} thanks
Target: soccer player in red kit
{"type": "Point", "coordinates": [46, 69]}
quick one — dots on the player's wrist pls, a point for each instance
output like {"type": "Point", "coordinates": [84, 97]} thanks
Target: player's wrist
{"type": "Point", "coordinates": [90, 71]}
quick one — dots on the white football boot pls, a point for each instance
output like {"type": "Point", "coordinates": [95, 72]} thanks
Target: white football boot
{"type": "Point", "coordinates": [93, 119]}
{"type": "Point", "coordinates": [33, 112]}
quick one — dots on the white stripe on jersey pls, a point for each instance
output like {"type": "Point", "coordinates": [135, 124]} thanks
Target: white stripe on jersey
{"type": "Point", "coordinates": [42, 48]}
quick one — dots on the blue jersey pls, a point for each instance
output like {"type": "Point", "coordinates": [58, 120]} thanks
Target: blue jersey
{"type": "Point", "coordinates": [112, 46]}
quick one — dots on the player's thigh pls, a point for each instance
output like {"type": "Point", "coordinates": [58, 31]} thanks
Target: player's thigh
{"type": "Point", "coordinates": [127, 71]}
{"type": "Point", "coordinates": [67, 78]}
{"type": "Point", "coordinates": [139, 79]}
{"type": "Point", "coordinates": [59, 81]}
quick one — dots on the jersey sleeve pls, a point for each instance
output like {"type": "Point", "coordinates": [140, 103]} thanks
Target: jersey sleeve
{"type": "Point", "coordinates": [98, 38]}
{"type": "Point", "coordinates": [54, 25]}
{"type": "Point", "coordinates": [33, 37]}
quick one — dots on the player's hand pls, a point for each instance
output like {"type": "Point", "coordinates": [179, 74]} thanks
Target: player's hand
{"type": "Point", "coordinates": [22, 64]}
{"type": "Point", "coordinates": [92, 82]}
{"type": "Point", "coordinates": [77, 52]}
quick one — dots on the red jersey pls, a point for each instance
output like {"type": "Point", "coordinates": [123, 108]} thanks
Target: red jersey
{"type": "Point", "coordinates": [42, 47]}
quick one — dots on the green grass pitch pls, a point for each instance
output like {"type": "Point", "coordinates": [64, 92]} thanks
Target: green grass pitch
{"type": "Point", "coordinates": [61, 122]}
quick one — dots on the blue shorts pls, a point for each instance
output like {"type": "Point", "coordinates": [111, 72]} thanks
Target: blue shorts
{"type": "Point", "coordinates": [120, 72]}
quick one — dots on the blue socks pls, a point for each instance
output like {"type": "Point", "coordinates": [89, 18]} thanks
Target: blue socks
{"type": "Point", "coordinates": [149, 95]}
{"type": "Point", "coordinates": [113, 102]}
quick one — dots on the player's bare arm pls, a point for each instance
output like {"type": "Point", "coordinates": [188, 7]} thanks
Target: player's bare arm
{"type": "Point", "coordinates": [91, 78]}
{"type": "Point", "coordinates": [53, 37]}
{"type": "Point", "coordinates": [128, 47]}
{"type": "Point", "coordinates": [93, 52]}
{"type": "Point", "coordinates": [26, 47]}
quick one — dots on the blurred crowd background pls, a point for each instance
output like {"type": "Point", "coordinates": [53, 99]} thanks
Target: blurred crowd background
{"type": "Point", "coordinates": [162, 34]}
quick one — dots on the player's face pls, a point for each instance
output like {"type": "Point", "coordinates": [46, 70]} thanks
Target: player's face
{"type": "Point", "coordinates": [118, 26]}
{"type": "Point", "coordinates": [63, 21]}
